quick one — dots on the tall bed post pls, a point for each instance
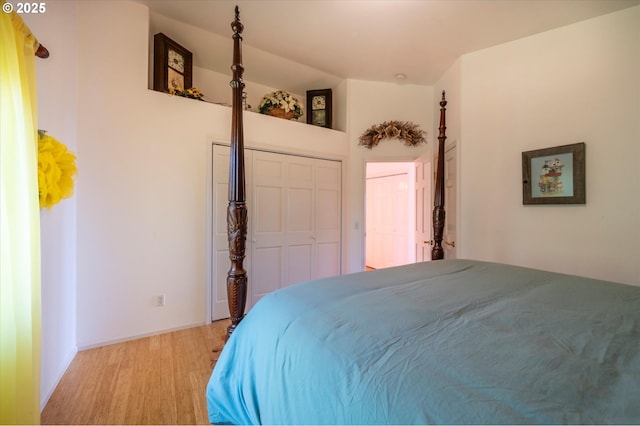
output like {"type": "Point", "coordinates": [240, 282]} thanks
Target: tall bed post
{"type": "Point", "coordinates": [237, 210]}
{"type": "Point", "coordinates": [437, 252]}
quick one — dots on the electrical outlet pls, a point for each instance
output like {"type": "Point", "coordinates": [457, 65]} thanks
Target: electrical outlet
{"type": "Point", "coordinates": [161, 300]}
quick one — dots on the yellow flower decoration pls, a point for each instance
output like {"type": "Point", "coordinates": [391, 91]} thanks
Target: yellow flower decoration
{"type": "Point", "coordinates": [193, 93]}
{"type": "Point", "coordinates": [56, 170]}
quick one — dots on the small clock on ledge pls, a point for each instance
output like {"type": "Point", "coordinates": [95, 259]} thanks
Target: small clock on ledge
{"type": "Point", "coordinates": [172, 64]}
{"type": "Point", "coordinates": [319, 107]}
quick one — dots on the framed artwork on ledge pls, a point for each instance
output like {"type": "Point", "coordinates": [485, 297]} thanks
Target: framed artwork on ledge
{"type": "Point", "coordinates": [172, 65]}
{"type": "Point", "coordinates": [554, 175]}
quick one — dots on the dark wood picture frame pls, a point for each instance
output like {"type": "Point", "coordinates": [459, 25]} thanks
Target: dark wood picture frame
{"type": "Point", "coordinates": [554, 175]}
{"type": "Point", "coordinates": [321, 117]}
{"type": "Point", "coordinates": [162, 45]}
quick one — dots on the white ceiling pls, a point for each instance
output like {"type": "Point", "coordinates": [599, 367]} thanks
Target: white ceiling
{"type": "Point", "coordinates": [298, 44]}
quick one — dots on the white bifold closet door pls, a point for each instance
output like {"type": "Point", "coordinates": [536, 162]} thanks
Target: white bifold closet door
{"type": "Point", "coordinates": [294, 231]}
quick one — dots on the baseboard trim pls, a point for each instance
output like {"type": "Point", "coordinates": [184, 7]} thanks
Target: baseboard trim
{"type": "Point", "coordinates": [44, 401]}
{"type": "Point", "coordinates": [138, 336]}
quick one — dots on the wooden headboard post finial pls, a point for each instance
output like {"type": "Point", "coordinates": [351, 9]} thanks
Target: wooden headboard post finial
{"type": "Point", "coordinates": [437, 252]}
{"type": "Point", "coordinates": [237, 210]}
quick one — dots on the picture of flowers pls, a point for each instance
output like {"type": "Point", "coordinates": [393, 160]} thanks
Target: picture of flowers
{"type": "Point", "coordinates": [554, 175]}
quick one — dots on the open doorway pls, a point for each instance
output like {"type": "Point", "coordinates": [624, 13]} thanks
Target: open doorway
{"type": "Point", "coordinates": [398, 212]}
{"type": "Point", "coordinates": [390, 214]}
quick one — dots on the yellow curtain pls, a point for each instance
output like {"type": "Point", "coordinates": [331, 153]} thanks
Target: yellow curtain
{"type": "Point", "coordinates": [19, 226]}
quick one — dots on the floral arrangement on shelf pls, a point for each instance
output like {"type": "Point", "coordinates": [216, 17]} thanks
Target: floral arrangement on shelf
{"type": "Point", "coordinates": [409, 132]}
{"type": "Point", "coordinates": [192, 93]}
{"type": "Point", "coordinates": [56, 170]}
{"type": "Point", "coordinates": [280, 100]}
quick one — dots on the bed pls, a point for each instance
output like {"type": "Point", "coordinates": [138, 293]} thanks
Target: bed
{"type": "Point", "coordinates": [440, 342]}
{"type": "Point", "coordinates": [445, 342]}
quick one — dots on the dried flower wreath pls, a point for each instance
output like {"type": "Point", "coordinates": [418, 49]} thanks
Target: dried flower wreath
{"type": "Point", "coordinates": [409, 132]}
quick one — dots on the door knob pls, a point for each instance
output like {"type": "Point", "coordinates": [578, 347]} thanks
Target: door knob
{"type": "Point", "coordinates": [428, 242]}
{"type": "Point", "coordinates": [450, 244]}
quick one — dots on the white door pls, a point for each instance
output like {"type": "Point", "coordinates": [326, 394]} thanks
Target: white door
{"type": "Point", "coordinates": [387, 219]}
{"type": "Point", "coordinates": [424, 207]}
{"type": "Point", "coordinates": [390, 210]}
{"type": "Point", "coordinates": [294, 229]}
{"type": "Point", "coordinates": [374, 221]}
{"type": "Point", "coordinates": [297, 226]}
{"type": "Point", "coordinates": [328, 218]}
{"type": "Point", "coordinates": [268, 234]}
{"type": "Point", "coordinates": [450, 201]}
{"type": "Point", "coordinates": [221, 264]}
{"type": "Point", "coordinates": [300, 215]}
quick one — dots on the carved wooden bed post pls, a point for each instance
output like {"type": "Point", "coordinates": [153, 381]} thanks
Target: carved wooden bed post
{"type": "Point", "coordinates": [437, 252]}
{"type": "Point", "coordinates": [237, 210]}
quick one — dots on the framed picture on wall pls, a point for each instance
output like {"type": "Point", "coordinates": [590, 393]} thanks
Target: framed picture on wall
{"type": "Point", "coordinates": [554, 175]}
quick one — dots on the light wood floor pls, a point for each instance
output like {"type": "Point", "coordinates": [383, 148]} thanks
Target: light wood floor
{"type": "Point", "coordinates": [154, 380]}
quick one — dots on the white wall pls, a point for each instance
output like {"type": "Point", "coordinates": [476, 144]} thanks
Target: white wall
{"type": "Point", "coordinates": [370, 103]}
{"type": "Point", "coordinates": [339, 106]}
{"type": "Point", "coordinates": [579, 83]}
{"type": "Point", "coordinates": [214, 86]}
{"type": "Point", "coordinates": [142, 198]}
{"type": "Point", "coordinates": [137, 224]}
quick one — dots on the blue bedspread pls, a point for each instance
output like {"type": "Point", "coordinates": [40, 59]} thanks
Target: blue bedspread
{"type": "Point", "coordinates": [446, 342]}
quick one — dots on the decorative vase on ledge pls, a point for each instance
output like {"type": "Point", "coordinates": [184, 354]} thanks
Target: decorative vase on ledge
{"type": "Point", "coordinates": [280, 113]}
{"type": "Point", "coordinates": [280, 104]}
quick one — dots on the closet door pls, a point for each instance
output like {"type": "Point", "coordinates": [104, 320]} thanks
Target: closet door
{"type": "Point", "coordinates": [282, 235]}
{"type": "Point", "coordinates": [220, 251]}
{"type": "Point", "coordinates": [296, 221]}
{"type": "Point", "coordinates": [294, 229]}
{"type": "Point", "coordinates": [267, 231]}
{"type": "Point", "coordinates": [328, 221]}
{"type": "Point", "coordinates": [300, 220]}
